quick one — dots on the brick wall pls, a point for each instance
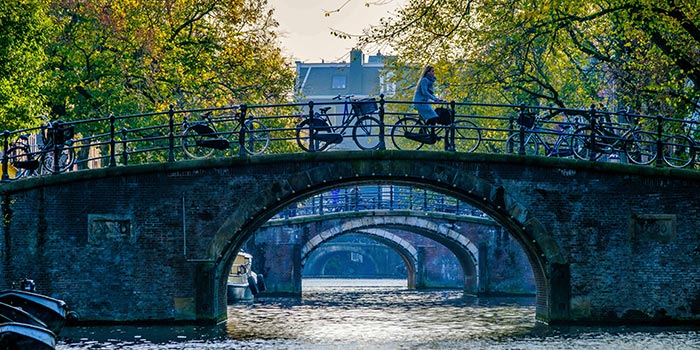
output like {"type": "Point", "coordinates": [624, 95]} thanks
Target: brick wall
{"type": "Point", "coordinates": [606, 242]}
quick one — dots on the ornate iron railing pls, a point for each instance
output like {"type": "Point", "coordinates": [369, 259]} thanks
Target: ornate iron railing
{"type": "Point", "coordinates": [242, 130]}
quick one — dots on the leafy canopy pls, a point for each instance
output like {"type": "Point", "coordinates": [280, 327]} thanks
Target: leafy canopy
{"type": "Point", "coordinates": [82, 59]}
{"type": "Point", "coordinates": [643, 54]}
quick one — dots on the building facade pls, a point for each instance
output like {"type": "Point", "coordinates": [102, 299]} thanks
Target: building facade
{"type": "Point", "coordinates": [360, 78]}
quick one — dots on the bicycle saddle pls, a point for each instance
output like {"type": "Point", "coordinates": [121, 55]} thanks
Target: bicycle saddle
{"type": "Point", "coordinates": [324, 109]}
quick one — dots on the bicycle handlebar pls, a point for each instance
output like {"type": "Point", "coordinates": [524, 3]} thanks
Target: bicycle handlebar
{"type": "Point", "coordinates": [346, 97]}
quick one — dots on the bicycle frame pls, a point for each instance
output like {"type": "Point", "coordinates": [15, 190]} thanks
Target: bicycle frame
{"type": "Point", "coordinates": [51, 152]}
{"type": "Point", "coordinates": [200, 139]}
{"type": "Point", "coordinates": [612, 141]}
{"type": "Point", "coordinates": [348, 116]}
{"type": "Point", "coordinates": [553, 150]}
{"type": "Point", "coordinates": [560, 147]}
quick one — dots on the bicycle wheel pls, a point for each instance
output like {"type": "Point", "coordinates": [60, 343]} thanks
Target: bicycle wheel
{"type": "Point", "coordinates": [304, 128]}
{"type": "Point", "coordinates": [366, 132]}
{"type": "Point", "coordinates": [191, 145]}
{"type": "Point", "coordinates": [561, 148]}
{"type": "Point", "coordinates": [66, 158]}
{"type": "Point", "coordinates": [678, 151]}
{"type": "Point", "coordinates": [581, 143]}
{"type": "Point", "coordinates": [640, 148]}
{"type": "Point", "coordinates": [403, 126]}
{"type": "Point", "coordinates": [20, 159]}
{"type": "Point", "coordinates": [257, 137]}
{"type": "Point", "coordinates": [530, 144]}
{"type": "Point", "coordinates": [467, 136]}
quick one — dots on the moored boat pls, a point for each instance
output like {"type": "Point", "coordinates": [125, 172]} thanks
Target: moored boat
{"type": "Point", "coordinates": [243, 284]}
{"type": "Point", "coordinates": [22, 336]}
{"type": "Point", "coordinates": [52, 312]}
{"type": "Point", "coordinates": [9, 313]}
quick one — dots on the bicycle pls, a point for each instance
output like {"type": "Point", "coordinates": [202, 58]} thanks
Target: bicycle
{"type": "Point", "coordinates": [590, 143]}
{"type": "Point", "coordinates": [411, 133]}
{"type": "Point", "coordinates": [53, 138]}
{"type": "Point", "coordinates": [533, 140]}
{"type": "Point", "coordinates": [678, 151]}
{"type": "Point", "coordinates": [357, 114]}
{"type": "Point", "coordinates": [200, 139]}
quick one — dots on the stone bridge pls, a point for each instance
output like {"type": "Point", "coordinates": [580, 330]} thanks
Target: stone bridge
{"type": "Point", "coordinates": [606, 242]}
{"type": "Point", "coordinates": [432, 245]}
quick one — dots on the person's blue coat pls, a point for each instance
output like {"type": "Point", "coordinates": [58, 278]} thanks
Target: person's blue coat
{"type": "Point", "coordinates": [425, 93]}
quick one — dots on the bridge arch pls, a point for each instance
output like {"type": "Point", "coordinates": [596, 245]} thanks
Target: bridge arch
{"type": "Point", "coordinates": [540, 248]}
{"type": "Point", "coordinates": [407, 252]}
{"type": "Point", "coordinates": [466, 252]}
{"type": "Point", "coordinates": [225, 201]}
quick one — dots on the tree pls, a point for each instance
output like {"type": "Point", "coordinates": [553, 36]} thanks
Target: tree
{"type": "Point", "coordinates": [22, 39]}
{"type": "Point", "coordinates": [129, 56]}
{"type": "Point", "coordinates": [568, 53]}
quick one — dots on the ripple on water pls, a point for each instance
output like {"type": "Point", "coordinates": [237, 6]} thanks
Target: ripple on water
{"type": "Point", "coordinates": [353, 315]}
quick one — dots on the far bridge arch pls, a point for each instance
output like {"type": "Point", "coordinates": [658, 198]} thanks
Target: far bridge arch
{"type": "Point", "coordinates": [466, 252]}
{"type": "Point", "coordinates": [407, 252]}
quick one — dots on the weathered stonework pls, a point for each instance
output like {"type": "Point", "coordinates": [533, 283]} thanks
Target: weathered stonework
{"type": "Point", "coordinates": [606, 242]}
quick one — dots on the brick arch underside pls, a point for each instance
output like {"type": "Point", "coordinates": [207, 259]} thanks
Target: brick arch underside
{"type": "Point", "coordinates": [407, 252]}
{"type": "Point", "coordinates": [466, 252]}
{"type": "Point", "coordinates": [323, 257]}
{"type": "Point", "coordinates": [287, 188]}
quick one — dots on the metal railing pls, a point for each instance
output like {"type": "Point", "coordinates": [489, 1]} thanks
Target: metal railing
{"type": "Point", "coordinates": [379, 197]}
{"type": "Point", "coordinates": [242, 130]}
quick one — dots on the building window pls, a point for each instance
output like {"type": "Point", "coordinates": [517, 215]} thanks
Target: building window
{"type": "Point", "coordinates": [386, 86]}
{"type": "Point", "coordinates": [338, 82]}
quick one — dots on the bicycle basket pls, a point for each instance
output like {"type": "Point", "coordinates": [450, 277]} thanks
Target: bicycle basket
{"type": "Point", "coordinates": [364, 106]}
{"type": "Point", "coordinates": [60, 134]}
{"type": "Point", "coordinates": [527, 120]}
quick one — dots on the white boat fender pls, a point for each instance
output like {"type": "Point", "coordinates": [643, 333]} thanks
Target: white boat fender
{"type": "Point", "coordinates": [261, 282]}
{"type": "Point", "coordinates": [252, 285]}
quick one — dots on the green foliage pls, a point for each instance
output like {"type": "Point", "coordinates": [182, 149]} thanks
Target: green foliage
{"type": "Point", "coordinates": [22, 38]}
{"type": "Point", "coordinates": [131, 56]}
{"type": "Point", "coordinates": [614, 54]}
{"type": "Point", "coordinates": [78, 60]}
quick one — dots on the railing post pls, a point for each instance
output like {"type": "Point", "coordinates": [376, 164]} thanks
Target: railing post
{"type": "Point", "coordinates": [55, 127]}
{"type": "Point", "coordinates": [112, 142]}
{"type": "Point", "coordinates": [5, 144]}
{"type": "Point", "coordinates": [594, 127]}
{"type": "Point", "coordinates": [379, 198]}
{"type": "Point", "coordinates": [521, 131]}
{"type": "Point", "coordinates": [659, 142]}
{"type": "Point", "coordinates": [171, 135]}
{"type": "Point", "coordinates": [125, 150]}
{"type": "Point", "coordinates": [312, 139]}
{"type": "Point", "coordinates": [382, 144]}
{"type": "Point", "coordinates": [320, 204]}
{"type": "Point", "coordinates": [391, 197]}
{"type": "Point", "coordinates": [346, 198]}
{"type": "Point", "coordinates": [357, 198]}
{"type": "Point", "coordinates": [451, 129]}
{"type": "Point", "coordinates": [241, 131]}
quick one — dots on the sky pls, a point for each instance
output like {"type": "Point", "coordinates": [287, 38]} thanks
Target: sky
{"type": "Point", "coordinates": [305, 32]}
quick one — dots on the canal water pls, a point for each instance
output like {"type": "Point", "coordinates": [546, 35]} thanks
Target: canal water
{"type": "Point", "coordinates": [377, 315]}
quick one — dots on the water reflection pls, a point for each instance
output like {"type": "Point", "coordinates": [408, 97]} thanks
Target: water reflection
{"type": "Point", "coordinates": [329, 314]}
{"type": "Point", "coordinates": [361, 316]}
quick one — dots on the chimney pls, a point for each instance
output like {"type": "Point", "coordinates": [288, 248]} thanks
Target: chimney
{"type": "Point", "coordinates": [355, 76]}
